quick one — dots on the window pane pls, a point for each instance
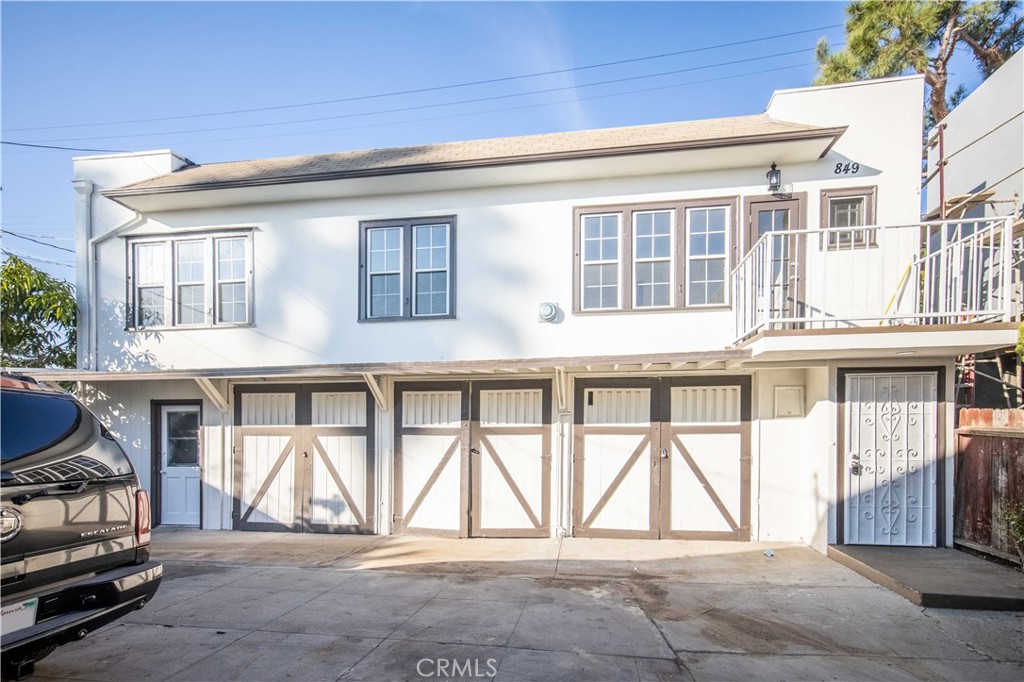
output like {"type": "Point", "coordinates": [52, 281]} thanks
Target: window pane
{"type": "Point", "coordinates": [847, 212]}
{"type": "Point", "coordinates": [149, 264]}
{"type": "Point", "coordinates": [190, 265]}
{"type": "Point", "coordinates": [191, 299]}
{"type": "Point", "coordinates": [698, 244]}
{"type": "Point", "coordinates": [150, 307]}
{"type": "Point", "coordinates": [431, 247]}
{"type": "Point", "coordinates": [652, 284]}
{"type": "Point", "coordinates": [183, 438]}
{"type": "Point", "coordinates": [385, 249]}
{"type": "Point", "coordinates": [431, 293]}
{"type": "Point", "coordinates": [230, 259]}
{"type": "Point", "coordinates": [716, 292]}
{"type": "Point", "coordinates": [600, 286]}
{"type": "Point", "coordinates": [601, 238]}
{"type": "Point", "coordinates": [232, 298]}
{"type": "Point", "coordinates": [385, 296]}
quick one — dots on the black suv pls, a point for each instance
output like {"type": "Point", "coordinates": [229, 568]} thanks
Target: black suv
{"type": "Point", "coordinates": [75, 525]}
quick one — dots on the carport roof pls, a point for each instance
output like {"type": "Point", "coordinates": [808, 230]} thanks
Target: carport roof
{"type": "Point", "coordinates": [603, 363]}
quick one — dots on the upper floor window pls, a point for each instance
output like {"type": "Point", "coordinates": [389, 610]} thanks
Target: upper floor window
{"type": "Point", "coordinates": [848, 208]}
{"type": "Point", "coordinates": [198, 280]}
{"type": "Point", "coordinates": [653, 257]}
{"type": "Point", "coordinates": [407, 269]}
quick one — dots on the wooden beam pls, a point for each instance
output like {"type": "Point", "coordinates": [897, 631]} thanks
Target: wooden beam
{"type": "Point", "coordinates": [377, 391]}
{"type": "Point", "coordinates": [707, 363]}
{"type": "Point", "coordinates": [215, 396]}
{"type": "Point", "coordinates": [733, 364]}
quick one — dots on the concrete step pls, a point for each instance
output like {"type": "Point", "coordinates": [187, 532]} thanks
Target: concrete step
{"type": "Point", "coordinates": [936, 577]}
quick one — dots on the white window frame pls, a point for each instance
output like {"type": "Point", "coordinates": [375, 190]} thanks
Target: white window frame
{"type": "Point", "coordinates": [670, 259]}
{"type": "Point", "coordinates": [724, 257]}
{"type": "Point", "coordinates": [584, 262]}
{"type": "Point", "coordinates": [447, 267]}
{"type": "Point", "coordinates": [400, 272]}
{"type": "Point", "coordinates": [217, 281]}
{"type": "Point", "coordinates": [171, 283]}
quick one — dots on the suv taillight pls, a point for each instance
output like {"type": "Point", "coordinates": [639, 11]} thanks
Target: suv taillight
{"type": "Point", "coordinates": [142, 518]}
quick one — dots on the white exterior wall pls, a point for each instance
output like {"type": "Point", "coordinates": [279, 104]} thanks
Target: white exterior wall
{"type": "Point", "coordinates": [125, 407]}
{"type": "Point", "coordinates": [514, 251]}
{"type": "Point", "coordinates": [984, 142]}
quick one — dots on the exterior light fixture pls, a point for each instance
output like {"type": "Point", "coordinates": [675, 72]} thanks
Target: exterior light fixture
{"type": "Point", "coordinates": [774, 176]}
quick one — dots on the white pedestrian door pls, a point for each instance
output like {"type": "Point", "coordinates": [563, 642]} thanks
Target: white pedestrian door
{"type": "Point", "coordinates": [179, 465]}
{"type": "Point", "coordinates": [891, 471]}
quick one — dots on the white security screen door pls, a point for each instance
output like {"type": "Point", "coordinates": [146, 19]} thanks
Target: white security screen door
{"type": "Point", "coordinates": [891, 471]}
{"type": "Point", "coordinates": [179, 466]}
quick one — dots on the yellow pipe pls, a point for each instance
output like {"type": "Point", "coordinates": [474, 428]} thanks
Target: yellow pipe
{"type": "Point", "coordinates": [892, 299]}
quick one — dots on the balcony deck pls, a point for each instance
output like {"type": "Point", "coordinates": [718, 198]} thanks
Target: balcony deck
{"type": "Point", "coordinates": [943, 275]}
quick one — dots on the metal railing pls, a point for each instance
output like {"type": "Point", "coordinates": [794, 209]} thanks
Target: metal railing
{"type": "Point", "coordinates": [941, 272]}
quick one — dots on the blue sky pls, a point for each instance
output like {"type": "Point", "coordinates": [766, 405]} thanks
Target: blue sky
{"type": "Point", "coordinates": [82, 64]}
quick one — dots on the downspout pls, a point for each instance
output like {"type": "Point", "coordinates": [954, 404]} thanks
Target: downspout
{"type": "Point", "coordinates": [83, 271]}
{"type": "Point", "coordinates": [94, 341]}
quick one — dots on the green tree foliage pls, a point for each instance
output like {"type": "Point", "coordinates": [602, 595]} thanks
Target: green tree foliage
{"type": "Point", "coordinates": [892, 38]}
{"type": "Point", "coordinates": [38, 317]}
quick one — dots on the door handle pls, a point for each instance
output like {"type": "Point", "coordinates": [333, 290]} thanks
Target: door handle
{"type": "Point", "coordinates": [474, 451]}
{"type": "Point", "coordinates": [855, 468]}
{"type": "Point", "coordinates": [305, 455]}
{"type": "Point", "coordinates": [664, 453]}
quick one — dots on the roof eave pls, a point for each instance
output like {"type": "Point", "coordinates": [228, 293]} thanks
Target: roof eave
{"type": "Point", "coordinates": [832, 134]}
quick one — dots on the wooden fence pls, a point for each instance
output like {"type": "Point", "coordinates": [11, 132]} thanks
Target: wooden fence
{"type": "Point", "coordinates": [989, 475]}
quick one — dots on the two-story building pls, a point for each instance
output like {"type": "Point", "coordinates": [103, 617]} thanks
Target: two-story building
{"type": "Point", "coordinates": [727, 329]}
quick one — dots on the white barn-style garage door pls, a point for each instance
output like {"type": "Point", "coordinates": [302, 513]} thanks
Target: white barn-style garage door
{"type": "Point", "coordinates": [662, 458]}
{"type": "Point", "coordinates": [304, 458]}
{"type": "Point", "coordinates": [890, 474]}
{"type": "Point", "coordinates": [473, 460]}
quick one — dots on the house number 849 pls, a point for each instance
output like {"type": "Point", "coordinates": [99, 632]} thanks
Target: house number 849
{"type": "Point", "coordinates": [847, 168]}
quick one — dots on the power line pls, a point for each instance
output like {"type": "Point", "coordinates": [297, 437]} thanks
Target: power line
{"type": "Point", "coordinates": [441, 104]}
{"type": "Point", "coordinates": [490, 111]}
{"type": "Point", "coordinates": [70, 149]}
{"type": "Point", "coordinates": [436, 88]}
{"type": "Point", "coordinates": [35, 259]}
{"type": "Point", "coordinates": [37, 241]}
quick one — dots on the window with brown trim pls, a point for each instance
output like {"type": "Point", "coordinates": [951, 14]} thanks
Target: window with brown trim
{"type": "Point", "coordinates": [665, 256]}
{"type": "Point", "coordinates": [848, 208]}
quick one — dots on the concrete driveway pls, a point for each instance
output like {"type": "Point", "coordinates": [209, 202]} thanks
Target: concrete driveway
{"type": "Point", "coordinates": [264, 606]}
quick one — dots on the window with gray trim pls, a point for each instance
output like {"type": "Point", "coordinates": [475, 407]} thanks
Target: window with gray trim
{"type": "Point", "coordinates": [190, 281]}
{"type": "Point", "coordinates": [407, 269]}
{"type": "Point", "coordinates": [653, 257]}
{"type": "Point", "coordinates": [848, 208]}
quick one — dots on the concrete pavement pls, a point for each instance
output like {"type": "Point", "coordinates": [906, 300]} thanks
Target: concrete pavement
{"type": "Point", "coordinates": [264, 606]}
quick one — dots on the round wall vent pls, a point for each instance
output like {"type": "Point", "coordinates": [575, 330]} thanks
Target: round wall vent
{"type": "Point", "coordinates": [547, 312]}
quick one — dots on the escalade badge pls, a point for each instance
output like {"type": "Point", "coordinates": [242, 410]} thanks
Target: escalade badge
{"type": "Point", "coordinates": [10, 523]}
{"type": "Point", "coordinates": [101, 531]}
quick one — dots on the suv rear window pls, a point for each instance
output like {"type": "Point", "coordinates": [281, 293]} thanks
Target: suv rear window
{"type": "Point", "coordinates": [34, 421]}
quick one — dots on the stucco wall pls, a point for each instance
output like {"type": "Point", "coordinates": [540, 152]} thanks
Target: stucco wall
{"type": "Point", "coordinates": [514, 251]}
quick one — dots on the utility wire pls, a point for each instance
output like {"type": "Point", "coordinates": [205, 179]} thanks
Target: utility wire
{"type": "Point", "coordinates": [36, 259]}
{"type": "Point", "coordinates": [70, 149]}
{"type": "Point", "coordinates": [37, 241]}
{"type": "Point", "coordinates": [436, 105]}
{"type": "Point", "coordinates": [436, 88]}
{"type": "Point", "coordinates": [487, 111]}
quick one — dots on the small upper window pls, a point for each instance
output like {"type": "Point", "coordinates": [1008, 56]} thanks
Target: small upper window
{"type": "Point", "coordinates": [408, 269]}
{"type": "Point", "coordinates": [847, 209]}
{"type": "Point", "coordinates": [193, 281]}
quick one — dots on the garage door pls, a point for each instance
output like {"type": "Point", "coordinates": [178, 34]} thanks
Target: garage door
{"type": "Point", "coordinates": [473, 459]}
{"type": "Point", "coordinates": [662, 458]}
{"type": "Point", "coordinates": [304, 458]}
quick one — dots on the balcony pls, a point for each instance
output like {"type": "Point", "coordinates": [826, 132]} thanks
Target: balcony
{"type": "Point", "coordinates": [958, 272]}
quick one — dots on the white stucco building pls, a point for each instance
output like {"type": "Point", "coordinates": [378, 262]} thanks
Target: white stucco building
{"type": "Point", "coordinates": [619, 332]}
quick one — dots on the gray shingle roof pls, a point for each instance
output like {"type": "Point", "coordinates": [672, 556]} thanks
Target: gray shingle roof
{"type": "Point", "coordinates": [475, 153]}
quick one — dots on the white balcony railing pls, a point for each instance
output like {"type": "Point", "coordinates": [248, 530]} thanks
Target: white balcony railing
{"type": "Point", "coordinates": [944, 272]}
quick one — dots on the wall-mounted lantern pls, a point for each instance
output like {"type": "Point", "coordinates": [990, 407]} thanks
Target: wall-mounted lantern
{"type": "Point", "coordinates": [774, 176]}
